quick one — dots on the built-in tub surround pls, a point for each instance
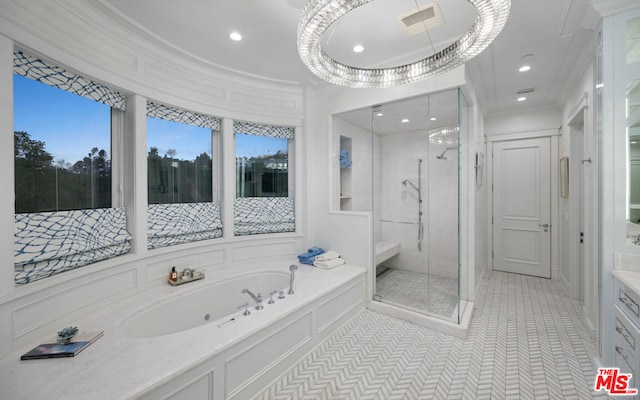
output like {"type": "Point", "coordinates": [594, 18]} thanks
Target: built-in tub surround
{"type": "Point", "coordinates": [210, 304]}
{"type": "Point", "coordinates": [215, 360]}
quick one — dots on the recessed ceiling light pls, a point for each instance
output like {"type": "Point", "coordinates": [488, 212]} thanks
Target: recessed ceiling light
{"type": "Point", "coordinates": [522, 98]}
{"type": "Point", "coordinates": [526, 63]}
{"type": "Point", "coordinates": [358, 48]}
{"type": "Point", "coordinates": [379, 114]}
{"type": "Point", "coordinates": [433, 118]}
{"type": "Point", "coordinates": [404, 121]}
{"type": "Point", "coordinates": [235, 36]}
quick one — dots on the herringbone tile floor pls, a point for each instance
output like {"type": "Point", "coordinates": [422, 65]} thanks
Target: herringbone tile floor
{"type": "Point", "coordinates": [526, 341]}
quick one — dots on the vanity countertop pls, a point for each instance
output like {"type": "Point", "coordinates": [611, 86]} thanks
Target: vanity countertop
{"type": "Point", "coordinates": [627, 270]}
{"type": "Point", "coordinates": [629, 278]}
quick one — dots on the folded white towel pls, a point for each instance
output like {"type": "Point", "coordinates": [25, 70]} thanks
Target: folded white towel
{"type": "Point", "coordinates": [326, 256]}
{"type": "Point", "coordinates": [329, 264]}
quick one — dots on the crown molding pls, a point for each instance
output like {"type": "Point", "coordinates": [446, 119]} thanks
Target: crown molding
{"type": "Point", "coordinates": [611, 7]}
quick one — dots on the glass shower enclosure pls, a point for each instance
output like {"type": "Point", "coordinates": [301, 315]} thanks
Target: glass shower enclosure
{"type": "Point", "coordinates": [413, 173]}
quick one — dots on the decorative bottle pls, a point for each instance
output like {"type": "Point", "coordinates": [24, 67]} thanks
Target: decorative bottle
{"type": "Point", "coordinates": [173, 276]}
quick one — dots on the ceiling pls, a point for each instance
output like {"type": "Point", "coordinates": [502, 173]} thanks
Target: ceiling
{"type": "Point", "coordinates": [558, 33]}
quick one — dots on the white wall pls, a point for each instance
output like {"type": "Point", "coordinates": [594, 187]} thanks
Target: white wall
{"type": "Point", "coordinates": [142, 69]}
{"type": "Point", "coordinates": [473, 124]}
{"type": "Point", "coordinates": [584, 277]}
{"type": "Point", "coordinates": [523, 120]}
{"type": "Point", "coordinates": [399, 155]}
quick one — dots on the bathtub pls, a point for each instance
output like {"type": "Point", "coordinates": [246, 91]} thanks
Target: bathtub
{"type": "Point", "coordinates": [160, 345]}
{"type": "Point", "coordinates": [212, 304]}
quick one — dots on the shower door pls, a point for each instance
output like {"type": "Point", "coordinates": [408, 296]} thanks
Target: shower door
{"type": "Point", "coordinates": [415, 206]}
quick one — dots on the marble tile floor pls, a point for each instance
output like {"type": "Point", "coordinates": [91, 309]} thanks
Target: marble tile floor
{"type": "Point", "coordinates": [526, 341]}
{"type": "Point", "coordinates": [418, 291]}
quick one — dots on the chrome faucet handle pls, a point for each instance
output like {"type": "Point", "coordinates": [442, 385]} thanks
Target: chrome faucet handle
{"type": "Point", "coordinates": [281, 295]}
{"type": "Point", "coordinates": [246, 308]}
{"type": "Point", "coordinates": [259, 305]}
{"type": "Point", "coordinates": [292, 268]}
{"type": "Point", "coordinates": [271, 300]}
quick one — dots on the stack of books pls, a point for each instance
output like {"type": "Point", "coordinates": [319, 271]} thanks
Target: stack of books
{"type": "Point", "coordinates": [57, 350]}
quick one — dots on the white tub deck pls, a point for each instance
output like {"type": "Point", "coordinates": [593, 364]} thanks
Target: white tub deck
{"type": "Point", "coordinates": [117, 367]}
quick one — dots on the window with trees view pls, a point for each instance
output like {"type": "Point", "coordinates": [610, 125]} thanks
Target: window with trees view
{"type": "Point", "coordinates": [264, 196]}
{"type": "Point", "coordinates": [179, 162]}
{"type": "Point", "coordinates": [262, 166]}
{"type": "Point", "coordinates": [64, 216]}
{"type": "Point", "coordinates": [62, 144]}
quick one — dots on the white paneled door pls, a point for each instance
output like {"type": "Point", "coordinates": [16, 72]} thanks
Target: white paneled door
{"type": "Point", "coordinates": [522, 206]}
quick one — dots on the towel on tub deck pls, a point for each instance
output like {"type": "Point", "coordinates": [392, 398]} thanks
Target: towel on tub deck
{"type": "Point", "coordinates": [329, 255]}
{"type": "Point", "coordinates": [310, 255]}
{"type": "Point", "coordinates": [329, 264]}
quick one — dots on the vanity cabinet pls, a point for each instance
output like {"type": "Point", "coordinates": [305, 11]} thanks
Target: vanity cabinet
{"type": "Point", "coordinates": [627, 331]}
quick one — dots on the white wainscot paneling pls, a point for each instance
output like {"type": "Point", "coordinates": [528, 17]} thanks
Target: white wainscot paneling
{"type": "Point", "coordinates": [259, 251]}
{"type": "Point", "coordinates": [43, 310]}
{"type": "Point", "coordinates": [342, 303]}
{"type": "Point", "coordinates": [251, 363]}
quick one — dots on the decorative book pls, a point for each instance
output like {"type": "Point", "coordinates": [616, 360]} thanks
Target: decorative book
{"type": "Point", "coordinates": [57, 350]}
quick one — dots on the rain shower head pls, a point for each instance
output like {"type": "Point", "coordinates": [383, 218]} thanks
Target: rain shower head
{"type": "Point", "coordinates": [406, 181]}
{"type": "Point", "coordinates": [441, 156]}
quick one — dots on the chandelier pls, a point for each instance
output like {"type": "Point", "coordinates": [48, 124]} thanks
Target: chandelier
{"type": "Point", "coordinates": [447, 135]}
{"type": "Point", "coordinates": [318, 15]}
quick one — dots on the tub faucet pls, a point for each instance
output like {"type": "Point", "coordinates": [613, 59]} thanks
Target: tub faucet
{"type": "Point", "coordinates": [257, 299]}
{"type": "Point", "coordinates": [293, 268]}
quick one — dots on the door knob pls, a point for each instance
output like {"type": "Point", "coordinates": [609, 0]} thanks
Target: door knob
{"type": "Point", "coordinates": [544, 225]}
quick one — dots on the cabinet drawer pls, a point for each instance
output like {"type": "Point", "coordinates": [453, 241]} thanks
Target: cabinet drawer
{"type": "Point", "coordinates": [627, 336]}
{"type": "Point", "coordinates": [628, 301]}
{"type": "Point", "coordinates": [627, 366]}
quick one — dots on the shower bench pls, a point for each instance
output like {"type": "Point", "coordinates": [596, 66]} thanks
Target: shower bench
{"type": "Point", "coordinates": [386, 250]}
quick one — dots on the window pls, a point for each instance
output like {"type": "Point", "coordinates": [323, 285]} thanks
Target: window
{"type": "Point", "coordinates": [261, 166]}
{"type": "Point", "coordinates": [264, 201]}
{"type": "Point", "coordinates": [64, 217]}
{"type": "Point", "coordinates": [179, 162]}
{"type": "Point", "coordinates": [62, 147]}
{"type": "Point", "coordinates": [182, 172]}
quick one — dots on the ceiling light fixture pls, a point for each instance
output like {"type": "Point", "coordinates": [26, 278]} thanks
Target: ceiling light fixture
{"type": "Point", "coordinates": [319, 15]}
{"type": "Point", "coordinates": [521, 98]}
{"type": "Point", "coordinates": [379, 114]}
{"type": "Point", "coordinates": [433, 119]}
{"type": "Point", "coordinates": [526, 63]}
{"type": "Point", "coordinates": [404, 121]}
{"type": "Point", "coordinates": [235, 36]}
{"type": "Point", "coordinates": [358, 48]}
